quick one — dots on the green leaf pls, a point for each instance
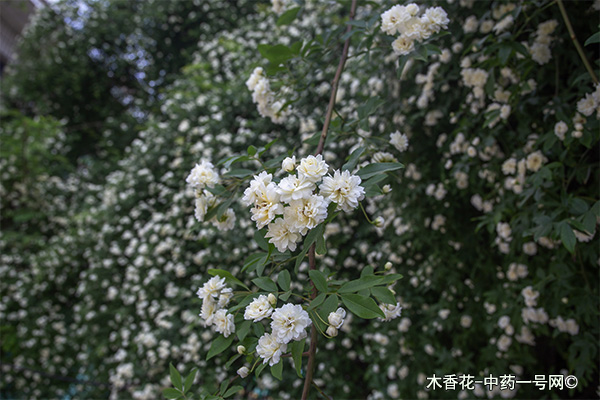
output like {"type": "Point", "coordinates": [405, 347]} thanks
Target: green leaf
{"type": "Point", "coordinates": [277, 54]}
{"type": "Point", "coordinates": [230, 362]}
{"type": "Point", "coordinates": [171, 393]}
{"type": "Point", "coordinates": [242, 330]}
{"type": "Point", "coordinates": [175, 377]}
{"type": "Point", "coordinates": [297, 350]}
{"type": "Point", "coordinates": [316, 302]}
{"type": "Point", "coordinates": [239, 173]}
{"type": "Point", "coordinates": [321, 246]}
{"type": "Point", "coordinates": [353, 159]}
{"type": "Point", "coordinates": [219, 345]}
{"type": "Point", "coordinates": [265, 283]}
{"type": "Point", "coordinates": [189, 380]}
{"type": "Point", "coordinates": [329, 306]}
{"type": "Point", "coordinates": [300, 258]}
{"type": "Point", "coordinates": [285, 296]}
{"type": "Point", "coordinates": [504, 53]}
{"type": "Point", "coordinates": [319, 280]}
{"type": "Point", "coordinates": [364, 282]}
{"type": "Point", "coordinates": [312, 235]}
{"type": "Point", "coordinates": [251, 150]}
{"type": "Point", "coordinates": [244, 302]}
{"type": "Point", "coordinates": [254, 260]}
{"type": "Point", "coordinates": [232, 390]}
{"type": "Point", "coordinates": [259, 369]}
{"type": "Point", "coordinates": [377, 168]}
{"type": "Point", "coordinates": [283, 279]}
{"type": "Point", "coordinates": [578, 206]}
{"type": "Point", "coordinates": [288, 16]}
{"type": "Point", "coordinates": [595, 38]}
{"type": "Point", "coordinates": [228, 277]}
{"type": "Point", "coordinates": [277, 370]}
{"type": "Point", "coordinates": [224, 386]}
{"type": "Point", "coordinates": [384, 295]}
{"type": "Point", "coordinates": [567, 236]}
{"type": "Point", "coordinates": [259, 237]}
{"type": "Point", "coordinates": [361, 306]}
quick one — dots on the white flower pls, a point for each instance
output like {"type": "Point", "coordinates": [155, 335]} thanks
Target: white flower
{"type": "Point", "coordinates": [399, 141]}
{"type": "Point", "coordinates": [258, 309]}
{"type": "Point", "coordinates": [241, 349]}
{"type": "Point", "coordinates": [272, 299]}
{"type": "Point", "coordinates": [503, 230]}
{"type": "Point", "coordinates": [201, 207]}
{"type": "Point", "coordinates": [289, 323]}
{"type": "Point", "coordinates": [257, 188]}
{"type": "Point", "coordinates": [435, 18]}
{"type": "Point", "coordinates": [587, 105]}
{"type": "Point", "coordinates": [336, 319]}
{"type": "Point", "coordinates": [535, 161]}
{"type": "Point", "coordinates": [270, 349]}
{"type": "Point", "coordinates": [225, 297]}
{"type": "Point", "coordinates": [391, 311]}
{"type": "Point", "coordinates": [282, 235]}
{"type": "Point", "coordinates": [211, 288]}
{"type": "Point", "coordinates": [530, 296]}
{"type": "Point", "coordinates": [306, 213]}
{"type": "Point", "coordinates": [254, 78]}
{"type": "Point", "coordinates": [226, 222]}
{"type": "Point", "coordinates": [393, 18]}
{"type": "Point", "coordinates": [312, 168]}
{"type": "Point", "coordinates": [288, 164]}
{"type": "Point", "coordinates": [293, 188]}
{"type": "Point", "coordinates": [403, 45]}
{"type": "Point", "coordinates": [331, 331]}
{"type": "Point", "coordinates": [560, 129]}
{"type": "Point", "coordinates": [504, 343]}
{"type": "Point", "coordinates": [343, 189]}
{"type": "Point", "coordinates": [266, 206]}
{"type": "Point", "coordinates": [203, 175]}
{"type": "Point", "coordinates": [209, 306]}
{"type": "Point", "coordinates": [243, 372]}
{"type": "Point", "coordinates": [223, 322]}
{"type": "Point", "coordinates": [465, 321]}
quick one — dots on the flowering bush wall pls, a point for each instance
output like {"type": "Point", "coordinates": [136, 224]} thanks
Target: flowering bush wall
{"type": "Point", "coordinates": [491, 222]}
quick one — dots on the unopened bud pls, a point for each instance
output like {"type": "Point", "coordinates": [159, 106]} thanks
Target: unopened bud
{"type": "Point", "coordinates": [243, 372]}
{"type": "Point", "coordinates": [332, 331]}
{"type": "Point", "coordinates": [272, 299]}
{"type": "Point", "coordinates": [288, 164]}
{"type": "Point", "coordinates": [379, 221]}
{"type": "Point", "coordinates": [386, 189]}
{"type": "Point", "coordinates": [387, 266]}
{"type": "Point", "coordinates": [241, 349]}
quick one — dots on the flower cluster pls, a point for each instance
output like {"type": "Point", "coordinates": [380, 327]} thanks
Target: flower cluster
{"type": "Point", "coordinates": [215, 297]}
{"type": "Point", "coordinates": [295, 200]}
{"type": "Point", "coordinates": [336, 320]}
{"type": "Point", "coordinates": [288, 323]}
{"type": "Point", "coordinates": [404, 21]}
{"type": "Point", "coordinates": [202, 176]}
{"type": "Point", "coordinates": [540, 49]}
{"type": "Point", "coordinates": [264, 97]}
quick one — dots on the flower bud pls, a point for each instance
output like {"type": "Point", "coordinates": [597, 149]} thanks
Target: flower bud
{"type": "Point", "coordinates": [379, 221]}
{"type": "Point", "coordinates": [386, 189]}
{"type": "Point", "coordinates": [243, 372]}
{"type": "Point", "coordinates": [289, 164]}
{"type": "Point", "coordinates": [241, 349]}
{"type": "Point", "coordinates": [272, 299]}
{"type": "Point", "coordinates": [387, 266]}
{"type": "Point", "coordinates": [332, 331]}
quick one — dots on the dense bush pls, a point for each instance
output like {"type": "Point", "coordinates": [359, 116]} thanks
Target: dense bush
{"type": "Point", "coordinates": [492, 222]}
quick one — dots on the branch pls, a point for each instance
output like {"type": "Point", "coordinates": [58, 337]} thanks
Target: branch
{"type": "Point", "coordinates": [336, 81]}
{"type": "Point", "coordinates": [589, 68]}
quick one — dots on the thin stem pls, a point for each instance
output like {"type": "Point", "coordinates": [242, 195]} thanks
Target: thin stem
{"type": "Point", "coordinates": [334, 85]}
{"type": "Point", "coordinates": [290, 354]}
{"type": "Point", "coordinates": [575, 41]}
{"type": "Point", "coordinates": [320, 390]}
{"type": "Point", "coordinates": [310, 368]}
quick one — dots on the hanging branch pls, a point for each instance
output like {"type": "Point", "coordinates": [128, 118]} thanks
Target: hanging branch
{"type": "Point", "coordinates": [589, 68]}
{"type": "Point", "coordinates": [311, 253]}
